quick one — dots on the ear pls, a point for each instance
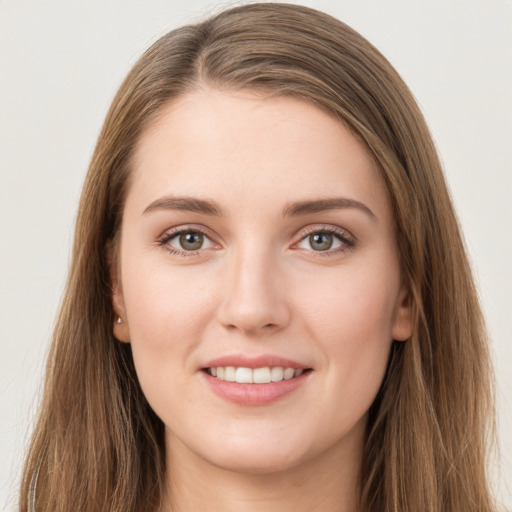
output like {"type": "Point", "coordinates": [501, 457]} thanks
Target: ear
{"type": "Point", "coordinates": [403, 321]}
{"type": "Point", "coordinates": [120, 326]}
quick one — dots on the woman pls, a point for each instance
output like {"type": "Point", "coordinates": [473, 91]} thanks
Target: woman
{"type": "Point", "coordinates": [269, 304]}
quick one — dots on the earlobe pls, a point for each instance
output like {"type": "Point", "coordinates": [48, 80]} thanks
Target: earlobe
{"type": "Point", "coordinates": [403, 322]}
{"type": "Point", "coordinates": [120, 325]}
{"type": "Point", "coordinates": [121, 330]}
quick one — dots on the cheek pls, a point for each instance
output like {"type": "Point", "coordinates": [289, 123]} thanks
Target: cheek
{"type": "Point", "coordinates": [356, 307]}
{"type": "Point", "coordinates": [351, 323]}
{"type": "Point", "coordinates": [160, 298]}
{"type": "Point", "coordinates": [166, 312]}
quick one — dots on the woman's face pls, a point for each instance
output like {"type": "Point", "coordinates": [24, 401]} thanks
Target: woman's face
{"type": "Point", "coordinates": [257, 242]}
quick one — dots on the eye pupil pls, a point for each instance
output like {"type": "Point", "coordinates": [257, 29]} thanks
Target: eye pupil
{"type": "Point", "coordinates": [191, 240]}
{"type": "Point", "coordinates": [321, 241]}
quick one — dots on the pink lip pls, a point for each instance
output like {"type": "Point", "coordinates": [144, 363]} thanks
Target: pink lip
{"type": "Point", "coordinates": [253, 394]}
{"type": "Point", "coordinates": [254, 362]}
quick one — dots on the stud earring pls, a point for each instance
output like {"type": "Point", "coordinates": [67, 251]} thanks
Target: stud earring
{"type": "Point", "coordinates": [119, 320]}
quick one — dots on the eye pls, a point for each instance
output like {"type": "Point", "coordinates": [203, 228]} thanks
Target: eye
{"type": "Point", "coordinates": [185, 240]}
{"type": "Point", "coordinates": [326, 240]}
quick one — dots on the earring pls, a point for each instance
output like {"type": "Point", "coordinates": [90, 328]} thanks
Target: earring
{"type": "Point", "coordinates": [119, 320]}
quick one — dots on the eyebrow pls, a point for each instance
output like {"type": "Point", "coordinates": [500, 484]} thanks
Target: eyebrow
{"type": "Point", "coordinates": [322, 205]}
{"type": "Point", "coordinates": [296, 209]}
{"type": "Point", "coordinates": [189, 204]}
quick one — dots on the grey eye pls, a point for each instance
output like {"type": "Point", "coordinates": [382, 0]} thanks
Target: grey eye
{"type": "Point", "coordinates": [321, 241]}
{"type": "Point", "coordinates": [190, 241]}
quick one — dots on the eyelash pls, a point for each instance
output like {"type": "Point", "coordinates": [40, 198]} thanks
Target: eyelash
{"type": "Point", "coordinates": [347, 240]}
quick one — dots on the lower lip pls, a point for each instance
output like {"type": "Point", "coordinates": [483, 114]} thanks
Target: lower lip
{"type": "Point", "coordinates": [254, 395]}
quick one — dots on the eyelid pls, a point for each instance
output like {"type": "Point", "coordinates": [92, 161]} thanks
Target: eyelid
{"type": "Point", "coordinates": [348, 241]}
{"type": "Point", "coordinates": [325, 228]}
{"type": "Point", "coordinates": [169, 234]}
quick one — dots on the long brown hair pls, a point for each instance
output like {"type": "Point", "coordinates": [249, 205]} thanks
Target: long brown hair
{"type": "Point", "coordinates": [98, 446]}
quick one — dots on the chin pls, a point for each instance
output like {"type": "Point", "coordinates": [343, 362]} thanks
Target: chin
{"type": "Point", "coordinates": [256, 462]}
{"type": "Point", "coordinates": [276, 450]}
{"type": "Point", "coordinates": [245, 453]}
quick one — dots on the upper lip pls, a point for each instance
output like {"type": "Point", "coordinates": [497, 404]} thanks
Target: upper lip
{"type": "Point", "coordinates": [241, 361]}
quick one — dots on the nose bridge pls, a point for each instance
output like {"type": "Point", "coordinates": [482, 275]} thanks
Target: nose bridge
{"type": "Point", "coordinates": [255, 299]}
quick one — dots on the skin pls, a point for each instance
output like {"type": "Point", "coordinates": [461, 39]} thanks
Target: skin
{"type": "Point", "coordinates": [259, 285]}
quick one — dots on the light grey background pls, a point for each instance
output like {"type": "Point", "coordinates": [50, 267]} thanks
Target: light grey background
{"type": "Point", "coordinates": [61, 62]}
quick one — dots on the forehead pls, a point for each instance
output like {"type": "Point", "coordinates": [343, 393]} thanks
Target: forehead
{"type": "Point", "coordinates": [241, 144]}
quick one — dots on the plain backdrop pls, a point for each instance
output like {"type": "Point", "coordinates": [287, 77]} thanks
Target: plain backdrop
{"type": "Point", "coordinates": [61, 62]}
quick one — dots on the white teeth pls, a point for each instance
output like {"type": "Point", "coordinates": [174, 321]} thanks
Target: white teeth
{"type": "Point", "coordinates": [229, 373]}
{"type": "Point", "coordinates": [261, 375]}
{"type": "Point", "coordinates": [289, 373]}
{"type": "Point", "coordinates": [254, 376]}
{"type": "Point", "coordinates": [276, 374]}
{"type": "Point", "coordinates": [244, 375]}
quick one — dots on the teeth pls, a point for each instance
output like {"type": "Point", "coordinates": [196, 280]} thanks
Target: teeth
{"type": "Point", "coordinates": [254, 376]}
{"type": "Point", "coordinates": [229, 373]}
{"type": "Point", "coordinates": [261, 375]}
{"type": "Point", "coordinates": [244, 375]}
{"type": "Point", "coordinates": [289, 373]}
{"type": "Point", "coordinates": [276, 374]}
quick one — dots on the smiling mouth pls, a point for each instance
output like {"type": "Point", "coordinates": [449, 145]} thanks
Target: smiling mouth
{"type": "Point", "coordinates": [262, 375]}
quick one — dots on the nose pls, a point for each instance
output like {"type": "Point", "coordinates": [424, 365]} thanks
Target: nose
{"type": "Point", "coordinates": [255, 299]}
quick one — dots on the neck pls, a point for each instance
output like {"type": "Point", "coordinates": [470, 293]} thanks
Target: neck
{"type": "Point", "coordinates": [328, 483]}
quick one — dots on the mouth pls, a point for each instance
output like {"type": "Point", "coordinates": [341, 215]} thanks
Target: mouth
{"type": "Point", "coordinates": [255, 380]}
{"type": "Point", "coordinates": [263, 375]}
